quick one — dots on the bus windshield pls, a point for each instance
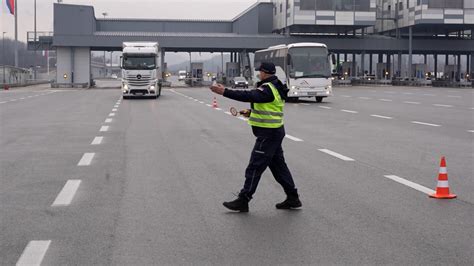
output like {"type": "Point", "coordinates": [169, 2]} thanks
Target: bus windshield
{"type": "Point", "coordinates": [309, 62]}
{"type": "Point", "coordinates": [139, 62]}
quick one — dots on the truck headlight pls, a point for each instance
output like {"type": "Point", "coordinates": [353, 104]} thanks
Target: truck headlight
{"type": "Point", "coordinates": [246, 83]}
{"type": "Point", "coordinates": [294, 88]}
{"type": "Point", "coordinates": [152, 88]}
{"type": "Point", "coordinates": [125, 88]}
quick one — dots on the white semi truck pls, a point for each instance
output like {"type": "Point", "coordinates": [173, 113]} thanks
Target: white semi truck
{"type": "Point", "coordinates": [141, 75]}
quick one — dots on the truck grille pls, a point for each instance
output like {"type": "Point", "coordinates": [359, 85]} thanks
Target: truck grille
{"type": "Point", "coordinates": [139, 80]}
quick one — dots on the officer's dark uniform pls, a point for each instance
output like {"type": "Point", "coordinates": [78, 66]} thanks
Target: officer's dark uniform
{"type": "Point", "coordinates": [267, 151]}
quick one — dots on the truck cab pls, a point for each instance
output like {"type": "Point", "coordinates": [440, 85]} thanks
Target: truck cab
{"type": "Point", "coordinates": [141, 76]}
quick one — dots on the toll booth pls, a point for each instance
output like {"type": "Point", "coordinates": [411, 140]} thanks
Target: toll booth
{"type": "Point", "coordinates": [419, 71]}
{"type": "Point", "coordinates": [347, 70]}
{"type": "Point", "coordinates": [384, 71]}
{"type": "Point", "coordinates": [232, 70]}
{"type": "Point", "coordinates": [450, 72]}
{"type": "Point", "coordinates": [197, 72]}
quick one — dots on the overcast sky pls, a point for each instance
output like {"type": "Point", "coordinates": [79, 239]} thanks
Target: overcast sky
{"type": "Point", "coordinates": [193, 9]}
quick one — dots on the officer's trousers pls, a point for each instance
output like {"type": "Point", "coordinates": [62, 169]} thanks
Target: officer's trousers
{"type": "Point", "coordinates": [267, 152]}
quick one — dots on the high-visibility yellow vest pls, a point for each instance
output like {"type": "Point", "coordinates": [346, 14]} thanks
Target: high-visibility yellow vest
{"type": "Point", "coordinates": [268, 115]}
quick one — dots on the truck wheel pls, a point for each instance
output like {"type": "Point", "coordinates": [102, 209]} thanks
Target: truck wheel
{"type": "Point", "coordinates": [124, 97]}
{"type": "Point", "coordinates": [319, 99]}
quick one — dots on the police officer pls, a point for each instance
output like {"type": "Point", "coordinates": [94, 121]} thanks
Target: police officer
{"type": "Point", "coordinates": [266, 118]}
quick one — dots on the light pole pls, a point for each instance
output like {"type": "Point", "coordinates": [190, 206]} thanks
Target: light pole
{"type": "Point", "coordinates": [34, 67]}
{"type": "Point", "coordinates": [3, 57]}
{"type": "Point", "coordinates": [105, 14]}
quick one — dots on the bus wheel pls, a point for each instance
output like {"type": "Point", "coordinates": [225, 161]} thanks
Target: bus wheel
{"type": "Point", "coordinates": [319, 99]}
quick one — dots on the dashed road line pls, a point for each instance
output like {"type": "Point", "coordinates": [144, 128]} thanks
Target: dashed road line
{"type": "Point", "coordinates": [114, 110]}
{"type": "Point", "coordinates": [201, 102]}
{"type": "Point", "coordinates": [411, 102]}
{"type": "Point", "coordinates": [112, 114]}
{"type": "Point", "coordinates": [228, 113]}
{"type": "Point", "coordinates": [97, 141]}
{"type": "Point", "coordinates": [337, 155]}
{"type": "Point", "coordinates": [66, 195]}
{"type": "Point", "coordinates": [408, 93]}
{"type": "Point", "coordinates": [365, 98]}
{"type": "Point", "coordinates": [429, 94]}
{"type": "Point", "coordinates": [325, 107]}
{"type": "Point", "coordinates": [86, 159]}
{"type": "Point", "coordinates": [218, 109]}
{"type": "Point", "coordinates": [349, 111]}
{"type": "Point", "coordinates": [108, 120]}
{"type": "Point", "coordinates": [2, 102]}
{"type": "Point", "coordinates": [471, 131]}
{"type": "Point", "coordinates": [425, 124]}
{"type": "Point", "coordinates": [293, 138]}
{"type": "Point", "coordinates": [104, 129]}
{"type": "Point", "coordinates": [116, 106]}
{"type": "Point", "coordinates": [346, 96]}
{"type": "Point", "coordinates": [306, 104]}
{"type": "Point", "coordinates": [385, 100]}
{"type": "Point", "coordinates": [242, 118]}
{"type": "Point", "coordinates": [443, 105]}
{"type": "Point", "coordinates": [410, 184]}
{"type": "Point", "coordinates": [381, 116]}
{"type": "Point", "coordinates": [34, 253]}
{"type": "Point", "coordinates": [208, 105]}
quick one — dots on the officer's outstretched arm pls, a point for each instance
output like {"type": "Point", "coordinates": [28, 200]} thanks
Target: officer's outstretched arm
{"type": "Point", "coordinates": [259, 95]}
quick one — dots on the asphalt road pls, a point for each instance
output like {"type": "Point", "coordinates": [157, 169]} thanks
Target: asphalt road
{"type": "Point", "coordinates": [89, 179]}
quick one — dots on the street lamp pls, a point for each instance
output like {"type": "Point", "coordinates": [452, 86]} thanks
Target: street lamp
{"type": "Point", "coordinates": [3, 57]}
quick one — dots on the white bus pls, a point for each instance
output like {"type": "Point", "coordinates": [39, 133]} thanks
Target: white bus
{"type": "Point", "coordinates": [305, 68]}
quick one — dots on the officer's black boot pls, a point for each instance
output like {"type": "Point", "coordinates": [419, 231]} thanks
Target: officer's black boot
{"type": "Point", "coordinates": [241, 204]}
{"type": "Point", "coordinates": [292, 202]}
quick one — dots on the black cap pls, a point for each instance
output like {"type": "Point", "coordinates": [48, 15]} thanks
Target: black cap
{"type": "Point", "coordinates": [267, 67]}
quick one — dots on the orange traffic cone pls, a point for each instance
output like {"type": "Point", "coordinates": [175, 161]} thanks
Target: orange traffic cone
{"type": "Point", "coordinates": [442, 189]}
{"type": "Point", "coordinates": [214, 103]}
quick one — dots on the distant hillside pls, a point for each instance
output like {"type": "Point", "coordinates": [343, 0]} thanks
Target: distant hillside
{"type": "Point", "coordinates": [210, 65]}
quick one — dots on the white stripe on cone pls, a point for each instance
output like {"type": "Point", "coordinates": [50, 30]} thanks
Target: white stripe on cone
{"type": "Point", "coordinates": [443, 170]}
{"type": "Point", "coordinates": [442, 183]}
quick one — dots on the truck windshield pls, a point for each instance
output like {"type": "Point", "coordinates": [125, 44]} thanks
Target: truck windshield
{"type": "Point", "coordinates": [309, 62]}
{"type": "Point", "coordinates": [139, 62]}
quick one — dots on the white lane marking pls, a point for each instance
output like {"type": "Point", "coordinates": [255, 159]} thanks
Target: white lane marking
{"type": "Point", "coordinates": [196, 100]}
{"type": "Point", "coordinates": [429, 94]}
{"type": "Point", "coordinates": [208, 105]}
{"type": "Point", "coordinates": [242, 118]}
{"type": "Point", "coordinates": [454, 96]}
{"type": "Point", "coordinates": [86, 159]}
{"type": "Point", "coordinates": [293, 138]}
{"type": "Point", "coordinates": [337, 155]}
{"type": "Point", "coordinates": [34, 253]}
{"type": "Point", "coordinates": [325, 107]}
{"type": "Point", "coordinates": [426, 124]}
{"type": "Point", "coordinates": [365, 98]}
{"type": "Point", "coordinates": [116, 106]}
{"type": "Point", "coordinates": [306, 104]}
{"type": "Point", "coordinates": [228, 113]}
{"type": "Point", "coordinates": [218, 109]}
{"type": "Point", "coordinates": [381, 116]}
{"type": "Point", "coordinates": [411, 184]}
{"type": "Point", "coordinates": [104, 129]}
{"type": "Point", "coordinates": [349, 111]}
{"type": "Point", "coordinates": [385, 100]}
{"type": "Point", "coordinates": [112, 114]}
{"type": "Point", "coordinates": [201, 102]}
{"type": "Point", "coordinates": [390, 92]}
{"type": "Point", "coordinates": [108, 120]}
{"type": "Point", "coordinates": [471, 131]}
{"type": "Point", "coordinates": [66, 195]}
{"type": "Point", "coordinates": [412, 102]}
{"type": "Point", "coordinates": [97, 141]}
{"type": "Point", "coordinates": [408, 93]}
{"type": "Point", "coordinates": [13, 100]}
{"type": "Point", "coordinates": [114, 110]}
{"type": "Point", "coordinates": [443, 105]}
{"type": "Point", "coordinates": [347, 96]}
{"type": "Point", "coordinates": [22, 98]}
{"type": "Point", "coordinates": [2, 102]}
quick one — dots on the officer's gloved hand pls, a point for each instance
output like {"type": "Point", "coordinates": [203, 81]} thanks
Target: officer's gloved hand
{"type": "Point", "coordinates": [245, 113]}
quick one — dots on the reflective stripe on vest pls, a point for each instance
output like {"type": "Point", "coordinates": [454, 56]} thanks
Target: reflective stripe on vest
{"type": "Point", "coordinates": [268, 115]}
